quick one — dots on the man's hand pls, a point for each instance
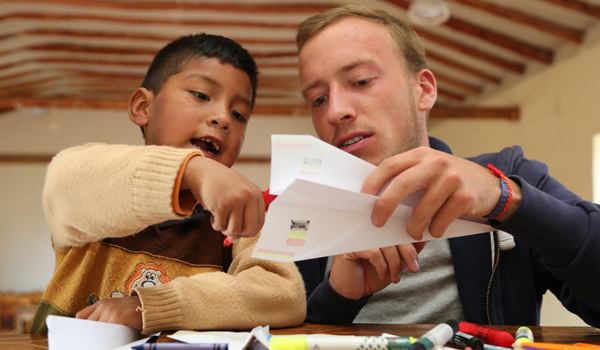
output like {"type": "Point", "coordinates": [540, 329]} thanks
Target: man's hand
{"type": "Point", "coordinates": [236, 204]}
{"type": "Point", "coordinates": [118, 310]}
{"type": "Point", "coordinates": [359, 274]}
{"type": "Point", "coordinates": [454, 187]}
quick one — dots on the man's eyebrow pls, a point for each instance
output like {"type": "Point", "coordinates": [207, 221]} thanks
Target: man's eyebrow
{"type": "Point", "coordinates": [350, 66]}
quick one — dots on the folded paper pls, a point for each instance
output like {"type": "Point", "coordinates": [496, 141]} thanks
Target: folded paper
{"type": "Point", "coordinates": [320, 210]}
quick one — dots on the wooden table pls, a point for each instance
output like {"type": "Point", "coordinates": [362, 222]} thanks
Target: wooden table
{"type": "Point", "coordinates": [565, 335]}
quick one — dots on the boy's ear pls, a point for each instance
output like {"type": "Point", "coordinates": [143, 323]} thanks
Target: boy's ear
{"type": "Point", "coordinates": [140, 106]}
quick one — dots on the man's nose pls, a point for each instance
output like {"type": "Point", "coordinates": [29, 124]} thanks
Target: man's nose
{"type": "Point", "coordinates": [340, 107]}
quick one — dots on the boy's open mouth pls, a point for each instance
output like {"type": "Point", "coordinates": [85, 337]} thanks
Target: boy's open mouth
{"type": "Point", "coordinates": [206, 145]}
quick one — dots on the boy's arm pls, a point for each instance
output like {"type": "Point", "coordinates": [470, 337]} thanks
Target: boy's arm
{"type": "Point", "coordinates": [253, 292]}
{"type": "Point", "coordinates": [96, 191]}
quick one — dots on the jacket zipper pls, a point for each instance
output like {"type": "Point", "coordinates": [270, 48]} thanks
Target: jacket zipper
{"type": "Point", "coordinates": [489, 290]}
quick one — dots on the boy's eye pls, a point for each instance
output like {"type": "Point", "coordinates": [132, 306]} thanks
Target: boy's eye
{"type": "Point", "coordinates": [200, 95]}
{"type": "Point", "coordinates": [239, 116]}
{"type": "Point", "coordinates": [319, 101]}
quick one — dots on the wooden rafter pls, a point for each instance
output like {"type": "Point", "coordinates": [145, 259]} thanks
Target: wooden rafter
{"type": "Point", "coordinates": [442, 59]}
{"type": "Point", "coordinates": [144, 21]}
{"type": "Point", "coordinates": [438, 112]}
{"type": "Point", "coordinates": [518, 68]}
{"type": "Point", "coordinates": [190, 6]}
{"type": "Point", "coordinates": [513, 113]}
{"type": "Point", "coordinates": [95, 35]}
{"type": "Point", "coordinates": [508, 13]}
{"type": "Point", "coordinates": [470, 88]}
{"type": "Point", "coordinates": [47, 158]}
{"type": "Point", "coordinates": [520, 47]}
{"type": "Point", "coordinates": [579, 6]}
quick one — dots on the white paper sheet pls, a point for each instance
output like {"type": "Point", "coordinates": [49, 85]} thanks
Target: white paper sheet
{"type": "Point", "coordinates": [67, 333]}
{"type": "Point", "coordinates": [257, 339]}
{"type": "Point", "coordinates": [320, 210]}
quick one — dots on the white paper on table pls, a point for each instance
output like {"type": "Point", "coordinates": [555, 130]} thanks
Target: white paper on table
{"type": "Point", "coordinates": [66, 333]}
{"type": "Point", "coordinates": [235, 340]}
{"type": "Point", "coordinates": [320, 210]}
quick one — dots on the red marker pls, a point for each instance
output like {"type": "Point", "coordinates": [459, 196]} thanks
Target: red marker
{"type": "Point", "coordinates": [226, 242]}
{"type": "Point", "coordinates": [488, 335]}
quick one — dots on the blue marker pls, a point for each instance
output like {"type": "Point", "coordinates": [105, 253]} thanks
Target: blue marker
{"type": "Point", "coordinates": [181, 346]}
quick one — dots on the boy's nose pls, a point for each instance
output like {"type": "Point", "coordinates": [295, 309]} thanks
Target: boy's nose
{"type": "Point", "coordinates": [221, 120]}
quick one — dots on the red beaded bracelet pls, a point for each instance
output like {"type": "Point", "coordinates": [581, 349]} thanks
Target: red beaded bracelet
{"type": "Point", "coordinates": [505, 195]}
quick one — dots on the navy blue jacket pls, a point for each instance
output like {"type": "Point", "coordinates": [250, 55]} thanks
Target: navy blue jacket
{"type": "Point", "coordinates": [557, 248]}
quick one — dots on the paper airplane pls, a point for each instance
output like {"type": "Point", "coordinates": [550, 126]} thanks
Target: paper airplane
{"type": "Point", "coordinates": [320, 210]}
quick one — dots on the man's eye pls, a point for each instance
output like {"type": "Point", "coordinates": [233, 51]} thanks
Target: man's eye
{"type": "Point", "coordinates": [319, 101]}
{"type": "Point", "coordinates": [239, 116]}
{"type": "Point", "coordinates": [200, 95]}
{"type": "Point", "coordinates": [362, 82]}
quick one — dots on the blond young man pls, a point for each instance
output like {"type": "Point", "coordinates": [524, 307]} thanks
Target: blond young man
{"type": "Point", "coordinates": [364, 75]}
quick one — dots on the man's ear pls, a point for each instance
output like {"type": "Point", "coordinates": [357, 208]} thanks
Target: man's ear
{"type": "Point", "coordinates": [427, 91]}
{"type": "Point", "coordinates": [140, 106]}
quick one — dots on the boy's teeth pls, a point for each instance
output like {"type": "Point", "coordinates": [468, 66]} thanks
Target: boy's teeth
{"type": "Point", "coordinates": [354, 140]}
{"type": "Point", "coordinates": [212, 143]}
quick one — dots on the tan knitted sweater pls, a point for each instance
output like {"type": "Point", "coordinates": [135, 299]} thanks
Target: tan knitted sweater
{"type": "Point", "coordinates": [101, 202]}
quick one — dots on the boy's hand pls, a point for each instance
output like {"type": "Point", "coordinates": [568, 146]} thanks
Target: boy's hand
{"type": "Point", "coordinates": [236, 204]}
{"type": "Point", "coordinates": [118, 310]}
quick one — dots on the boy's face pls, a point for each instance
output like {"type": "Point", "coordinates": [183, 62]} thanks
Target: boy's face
{"type": "Point", "coordinates": [206, 106]}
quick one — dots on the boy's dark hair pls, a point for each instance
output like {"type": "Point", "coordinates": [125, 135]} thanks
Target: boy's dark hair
{"type": "Point", "coordinates": [172, 58]}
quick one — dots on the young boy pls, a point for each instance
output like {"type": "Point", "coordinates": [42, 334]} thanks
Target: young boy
{"type": "Point", "coordinates": [123, 253]}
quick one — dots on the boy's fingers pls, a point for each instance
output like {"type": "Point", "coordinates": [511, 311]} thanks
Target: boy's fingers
{"type": "Point", "coordinates": [235, 221]}
{"type": "Point", "coordinates": [85, 313]}
{"type": "Point", "coordinates": [219, 220]}
{"type": "Point", "coordinates": [253, 218]}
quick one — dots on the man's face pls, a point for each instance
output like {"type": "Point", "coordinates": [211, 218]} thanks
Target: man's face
{"type": "Point", "coordinates": [362, 97]}
{"type": "Point", "coordinates": [205, 106]}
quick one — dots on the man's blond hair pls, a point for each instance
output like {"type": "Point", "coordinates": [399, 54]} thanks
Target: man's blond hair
{"type": "Point", "coordinates": [408, 42]}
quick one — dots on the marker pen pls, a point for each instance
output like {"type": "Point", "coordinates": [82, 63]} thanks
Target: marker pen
{"type": "Point", "coordinates": [488, 335]}
{"type": "Point", "coordinates": [494, 347]}
{"type": "Point", "coordinates": [339, 343]}
{"type": "Point", "coordinates": [436, 337]}
{"type": "Point", "coordinates": [463, 341]}
{"type": "Point", "coordinates": [523, 336]}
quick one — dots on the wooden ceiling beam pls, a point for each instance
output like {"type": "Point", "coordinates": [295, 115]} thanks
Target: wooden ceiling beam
{"type": "Point", "coordinates": [142, 21]}
{"type": "Point", "coordinates": [510, 113]}
{"type": "Point", "coordinates": [470, 88]}
{"type": "Point", "coordinates": [47, 158]}
{"type": "Point", "coordinates": [450, 94]}
{"type": "Point", "coordinates": [92, 35]}
{"type": "Point", "coordinates": [297, 8]}
{"type": "Point", "coordinates": [578, 5]}
{"type": "Point", "coordinates": [438, 112]}
{"type": "Point", "coordinates": [495, 38]}
{"type": "Point", "coordinates": [459, 66]}
{"type": "Point", "coordinates": [473, 52]}
{"type": "Point", "coordinates": [552, 28]}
